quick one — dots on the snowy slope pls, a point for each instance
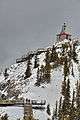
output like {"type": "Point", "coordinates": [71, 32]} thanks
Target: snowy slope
{"type": "Point", "coordinates": [26, 87]}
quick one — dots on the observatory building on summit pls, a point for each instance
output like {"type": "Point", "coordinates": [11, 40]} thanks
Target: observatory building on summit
{"type": "Point", "coordinates": [64, 34]}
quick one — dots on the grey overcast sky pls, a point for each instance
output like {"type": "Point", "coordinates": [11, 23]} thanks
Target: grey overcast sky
{"type": "Point", "coordinates": [33, 23]}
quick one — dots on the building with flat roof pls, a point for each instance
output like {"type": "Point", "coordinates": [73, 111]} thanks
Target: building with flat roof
{"type": "Point", "coordinates": [64, 34]}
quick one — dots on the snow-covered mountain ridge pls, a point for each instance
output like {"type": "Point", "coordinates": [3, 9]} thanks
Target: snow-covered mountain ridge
{"type": "Point", "coordinates": [14, 83]}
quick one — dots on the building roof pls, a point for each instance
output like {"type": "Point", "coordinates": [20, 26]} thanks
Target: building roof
{"type": "Point", "coordinates": [64, 30]}
{"type": "Point", "coordinates": [63, 33]}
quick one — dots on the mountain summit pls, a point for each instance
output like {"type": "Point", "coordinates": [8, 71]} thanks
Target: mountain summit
{"type": "Point", "coordinates": [40, 75]}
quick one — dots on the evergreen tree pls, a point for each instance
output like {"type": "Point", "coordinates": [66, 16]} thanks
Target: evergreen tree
{"type": "Point", "coordinates": [48, 110]}
{"type": "Point", "coordinates": [36, 62]}
{"type": "Point", "coordinates": [78, 101]}
{"type": "Point", "coordinates": [47, 69]}
{"type": "Point", "coordinates": [47, 57]}
{"type": "Point", "coordinates": [64, 46]}
{"type": "Point", "coordinates": [54, 55]}
{"type": "Point", "coordinates": [77, 94]}
{"type": "Point", "coordinates": [40, 76]}
{"type": "Point", "coordinates": [42, 72]}
{"type": "Point", "coordinates": [48, 119]}
{"type": "Point", "coordinates": [5, 117]}
{"type": "Point", "coordinates": [55, 111]}
{"type": "Point", "coordinates": [6, 74]}
{"type": "Point", "coordinates": [74, 54]}
{"type": "Point", "coordinates": [63, 109]}
{"type": "Point", "coordinates": [66, 102]}
{"type": "Point", "coordinates": [63, 87]}
{"type": "Point", "coordinates": [47, 73]}
{"type": "Point", "coordinates": [67, 97]}
{"type": "Point", "coordinates": [53, 117]}
{"type": "Point", "coordinates": [73, 99]}
{"type": "Point", "coordinates": [42, 80]}
{"type": "Point", "coordinates": [72, 71]}
{"type": "Point", "coordinates": [60, 109]}
{"type": "Point", "coordinates": [28, 70]}
{"type": "Point", "coordinates": [66, 68]}
{"type": "Point", "coordinates": [72, 109]}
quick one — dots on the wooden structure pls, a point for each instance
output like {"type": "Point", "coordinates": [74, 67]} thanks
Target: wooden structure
{"type": "Point", "coordinates": [28, 113]}
{"type": "Point", "coordinates": [34, 103]}
{"type": "Point", "coordinates": [28, 105]}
